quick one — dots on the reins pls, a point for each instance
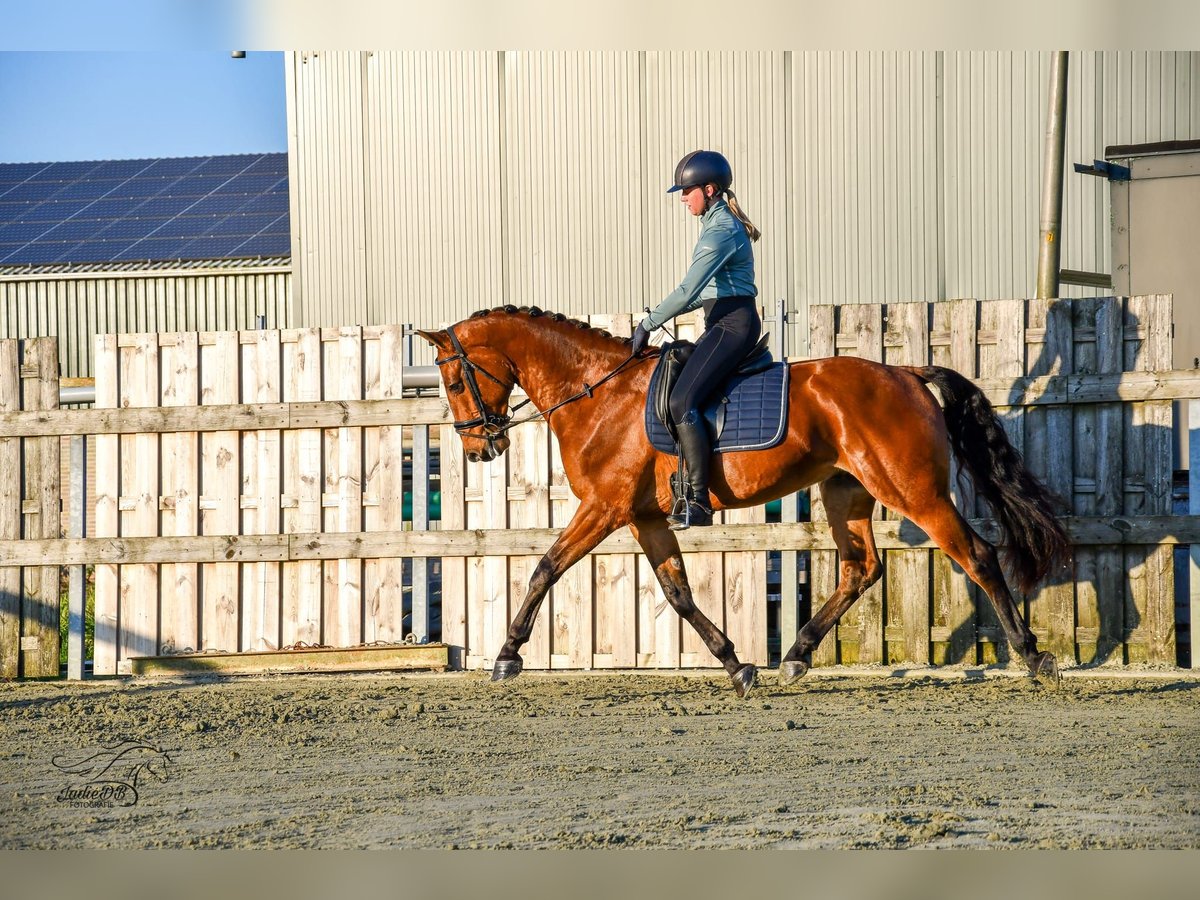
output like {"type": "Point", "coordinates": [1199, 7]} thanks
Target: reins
{"type": "Point", "coordinates": [496, 425]}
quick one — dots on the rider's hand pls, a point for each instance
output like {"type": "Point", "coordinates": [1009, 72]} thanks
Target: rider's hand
{"type": "Point", "coordinates": [641, 337]}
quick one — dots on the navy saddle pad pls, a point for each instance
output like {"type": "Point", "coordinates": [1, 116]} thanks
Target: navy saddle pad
{"type": "Point", "coordinates": [748, 412]}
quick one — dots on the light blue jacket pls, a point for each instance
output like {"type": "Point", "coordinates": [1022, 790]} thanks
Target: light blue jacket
{"type": "Point", "coordinates": [722, 266]}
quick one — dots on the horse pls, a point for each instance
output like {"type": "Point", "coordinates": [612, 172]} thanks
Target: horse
{"type": "Point", "coordinates": [864, 432]}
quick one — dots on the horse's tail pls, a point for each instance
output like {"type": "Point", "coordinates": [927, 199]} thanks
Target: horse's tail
{"type": "Point", "coordinates": [1035, 541]}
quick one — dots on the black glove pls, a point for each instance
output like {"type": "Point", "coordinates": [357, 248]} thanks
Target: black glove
{"type": "Point", "coordinates": [641, 337]}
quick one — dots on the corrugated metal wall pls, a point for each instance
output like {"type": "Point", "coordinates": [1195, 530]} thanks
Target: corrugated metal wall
{"type": "Point", "coordinates": [76, 308]}
{"type": "Point", "coordinates": [429, 185]}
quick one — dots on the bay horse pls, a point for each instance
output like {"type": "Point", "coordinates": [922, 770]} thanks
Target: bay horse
{"type": "Point", "coordinates": [863, 431]}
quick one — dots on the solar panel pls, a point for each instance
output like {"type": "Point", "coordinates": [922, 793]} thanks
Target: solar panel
{"type": "Point", "coordinates": [248, 184]}
{"type": "Point", "coordinates": [34, 191]}
{"type": "Point", "coordinates": [267, 203]}
{"type": "Point", "coordinates": [14, 173]}
{"type": "Point", "coordinates": [74, 230]}
{"type": "Point", "coordinates": [227, 165]}
{"type": "Point", "coordinates": [173, 167]}
{"type": "Point", "coordinates": [120, 168]}
{"type": "Point", "coordinates": [118, 210]}
{"type": "Point", "coordinates": [50, 211]}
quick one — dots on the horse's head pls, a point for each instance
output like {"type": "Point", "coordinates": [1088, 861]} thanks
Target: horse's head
{"type": "Point", "coordinates": [479, 381]}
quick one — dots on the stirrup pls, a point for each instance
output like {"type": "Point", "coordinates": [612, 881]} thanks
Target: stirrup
{"type": "Point", "coordinates": [688, 513]}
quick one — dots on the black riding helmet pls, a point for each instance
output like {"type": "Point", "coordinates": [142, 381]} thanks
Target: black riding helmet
{"type": "Point", "coordinates": [702, 167]}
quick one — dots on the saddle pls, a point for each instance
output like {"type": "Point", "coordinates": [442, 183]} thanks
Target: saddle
{"type": "Point", "coordinates": [748, 411]}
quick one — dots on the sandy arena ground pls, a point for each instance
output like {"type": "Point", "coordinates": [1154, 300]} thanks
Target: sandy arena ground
{"type": "Point", "coordinates": [593, 760]}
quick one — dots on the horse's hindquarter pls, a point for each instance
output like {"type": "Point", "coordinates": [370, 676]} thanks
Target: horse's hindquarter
{"type": "Point", "coordinates": [879, 423]}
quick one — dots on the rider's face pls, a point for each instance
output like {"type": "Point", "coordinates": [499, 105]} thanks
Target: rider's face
{"type": "Point", "coordinates": [694, 199]}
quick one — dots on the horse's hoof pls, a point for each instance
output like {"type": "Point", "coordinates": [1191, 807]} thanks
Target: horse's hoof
{"type": "Point", "coordinates": [791, 669]}
{"type": "Point", "coordinates": [505, 669]}
{"type": "Point", "coordinates": [1045, 668]}
{"type": "Point", "coordinates": [743, 679]}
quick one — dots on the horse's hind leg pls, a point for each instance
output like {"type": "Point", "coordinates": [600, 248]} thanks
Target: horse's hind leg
{"type": "Point", "coordinates": [662, 549]}
{"type": "Point", "coordinates": [947, 528]}
{"type": "Point", "coordinates": [849, 508]}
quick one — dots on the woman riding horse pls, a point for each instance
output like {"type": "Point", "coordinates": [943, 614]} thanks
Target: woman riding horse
{"type": "Point", "coordinates": [721, 278]}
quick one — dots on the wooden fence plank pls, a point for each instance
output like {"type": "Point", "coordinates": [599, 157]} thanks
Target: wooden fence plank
{"type": "Point", "coordinates": [474, 479]}
{"type": "Point", "coordinates": [861, 631]}
{"type": "Point", "coordinates": [180, 623]}
{"type": "Point", "coordinates": [43, 619]}
{"type": "Point", "coordinates": [529, 507]}
{"type": "Point", "coordinates": [108, 487]}
{"type": "Point", "coordinates": [494, 569]}
{"type": "Point", "coordinates": [259, 491]}
{"type": "Point", "coordinates": [219, 514]}
{"type": "Point", "coordinates": [1108, 448]}
{"type": "Point", "coordinates": [454, 568]}
{"type": "Point", "coordinates": [955, 597]}
{"type": "Point", "coordinates": [1131, 531]}
{"type": "Point", "coordinates": [301, 489]}
{"type": "Point", "coordinates": [616, 573]}
{"type": "Point", "coordinates": [823, 567]}
{"type": "Point", "coordinates": [571, 634]}
{"type": "Point", "coordinates": [10, 513]}
{"type": "Point", "coordinates": [1001, 356]}
{"type": "Point", "coordinates": [342, 497]}
{"type": "Point", "coordinates": [1049, 432]}
{"type": "Point", "coordinates": [138, 501]}
{"type": "Point", "coordinates": [383, 579]}
{"type": "Point", "coordinates": [907, 579]}
{"type": "Point", "coordinates": [1158, 613]}
{"type": "Point", "coordinates": [745, 593]}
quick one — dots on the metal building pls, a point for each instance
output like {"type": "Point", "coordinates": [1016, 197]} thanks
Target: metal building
{"type": "Point", "coordinates": [431, 184]}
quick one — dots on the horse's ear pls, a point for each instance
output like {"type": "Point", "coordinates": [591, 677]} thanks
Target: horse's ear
{"type": "Point", "coordinates": [435, 338]}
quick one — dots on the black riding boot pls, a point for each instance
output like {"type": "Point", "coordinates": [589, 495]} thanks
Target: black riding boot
{"type": "Point", "coordinates": [696, 450]}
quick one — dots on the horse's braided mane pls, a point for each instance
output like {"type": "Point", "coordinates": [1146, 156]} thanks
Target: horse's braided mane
{"type": "Point", "coordinates": [534, 312]}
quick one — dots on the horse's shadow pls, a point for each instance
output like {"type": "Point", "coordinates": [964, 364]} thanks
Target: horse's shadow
{"type": "Point", "coordinates": [1102, 576]}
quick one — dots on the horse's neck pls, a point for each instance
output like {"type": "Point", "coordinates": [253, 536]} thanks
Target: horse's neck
{"type": "Point", "coordinates": [550, 368]}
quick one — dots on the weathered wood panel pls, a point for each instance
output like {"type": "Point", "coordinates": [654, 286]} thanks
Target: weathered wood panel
{"type": "Point", "coordinates": [180, 614]}
{"type": "Point", "coordinates": [907, 573]}
{"type": "Point", "coordinates": [953, 615]}
{"type": "Point", "coordinates": [1048, 453]}
{"type": "Point", "coordinates": [823, 565]}
{"type": "Point", "coordinates": [1001, 343]}
{"type": "Point", "coordinates": [299, 511]}
{"type": "Point", "coordinates": [301, 488]}
{"type": "Point", "coordinates": [219, 513]}
{"type": "Point", "coordinates": [42, 508]}
{"type": "Point", "coordinates": [10, 513]}
{"type": "Point", "coordinates": [108, 486]}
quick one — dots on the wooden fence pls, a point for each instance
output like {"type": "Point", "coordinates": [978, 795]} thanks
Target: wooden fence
{"type": "Point", "coordinates": [29, 511]}
{"type": "Point", "coordinates": [249, 489]}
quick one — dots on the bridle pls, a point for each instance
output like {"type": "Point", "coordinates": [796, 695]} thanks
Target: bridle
{"type": "Point", "coordinates": [496, 425]}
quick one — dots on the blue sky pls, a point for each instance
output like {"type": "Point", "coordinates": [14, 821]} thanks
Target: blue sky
{"type": "Point", "coordinates": [69, 105]}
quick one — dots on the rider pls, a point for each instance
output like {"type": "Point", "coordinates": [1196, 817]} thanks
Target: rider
{"type": "Point", "coordinates": [721, 278]}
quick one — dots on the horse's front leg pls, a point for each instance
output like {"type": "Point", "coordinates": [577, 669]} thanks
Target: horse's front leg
{"type": "Point", "coordinates": [662, 549]}
{"type": "Point", "coordinates": [591, 524]}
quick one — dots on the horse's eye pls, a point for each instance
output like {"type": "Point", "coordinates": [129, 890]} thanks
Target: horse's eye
{"type": "Point", "coordinates": [456, 388]}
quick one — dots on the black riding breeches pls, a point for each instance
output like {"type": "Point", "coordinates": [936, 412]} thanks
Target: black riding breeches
{"type": "Point", "coordinates": [731, 328]}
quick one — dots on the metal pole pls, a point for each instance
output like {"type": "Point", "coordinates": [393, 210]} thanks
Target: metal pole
{"type": "Point", "coordinates": [1052, 179]}
{"type": "Point", "coordinates": [76, 529]}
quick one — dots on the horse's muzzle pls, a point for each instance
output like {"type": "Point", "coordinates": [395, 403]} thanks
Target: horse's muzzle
{"type": "Point", "coordinates": [491, 450]}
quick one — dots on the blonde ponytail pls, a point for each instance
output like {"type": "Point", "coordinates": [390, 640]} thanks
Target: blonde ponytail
{"type": "Point", "coordinates": [736, 209]}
